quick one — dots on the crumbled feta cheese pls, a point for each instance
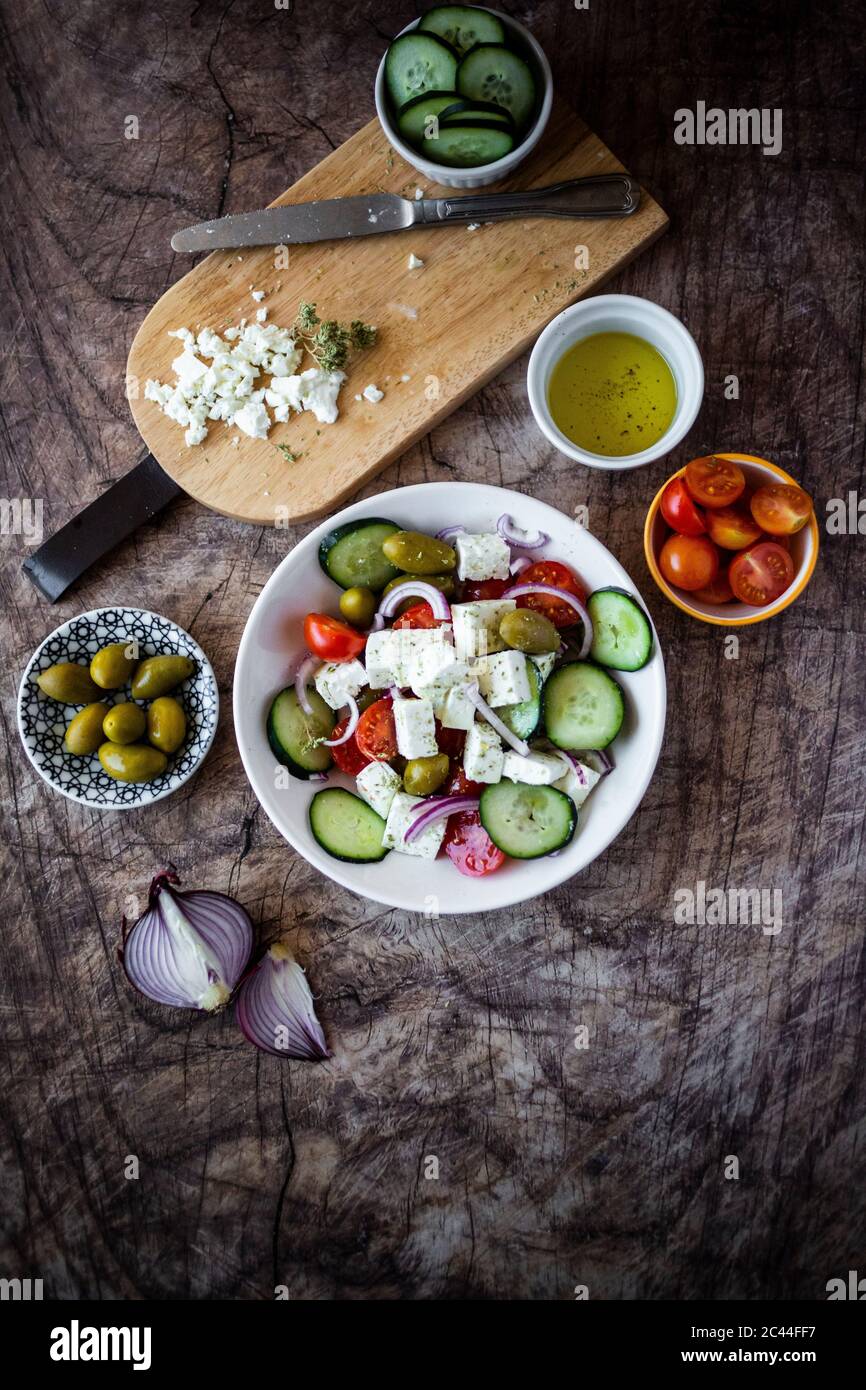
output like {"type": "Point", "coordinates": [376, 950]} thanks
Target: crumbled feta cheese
{"type": "Point", "coordinates": [416, 731]}
{"type": "Point", "coordinates": [261, 315]}
{"type": "Point", "coordinates": [372, 393]}
{"type": "Point", "coordinates": [481, 557]}
{"type": "Point", "coordinates": [482, 754]}
{"type": "Point", "coordinates": [404, 809]}
{"type": "Point", "coordinates": [337, 680]}
{"type": "Point", "coordinates": [419, 193]}
{"type": "Point", "coordinates": [258, 295]}
{"type": "Point", "coordinates": [320, 392]}
{"type": "Point", "coordinates": [415, 262]}
{"type": "Point", "coordinates": [253, 419]}
{"type": "Point", "coordinates": [538, 769]}
{"type": "Point", "coordinates": [476, 626]}
{"type": "Point", "coordinates": [378, 784]}
{"type": "Point", "coordinates": [502, 679]}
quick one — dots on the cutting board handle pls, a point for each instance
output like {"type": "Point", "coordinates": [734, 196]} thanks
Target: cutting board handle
{"type": "Point", "coordinates": [602, 195]}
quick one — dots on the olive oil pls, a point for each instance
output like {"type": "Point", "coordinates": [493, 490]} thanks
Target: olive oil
{"type": "Point", "coordinates": [612, 394]}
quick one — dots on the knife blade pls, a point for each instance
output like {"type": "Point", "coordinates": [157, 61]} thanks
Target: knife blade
{"type": "Point", "coordinates": [602, 195]}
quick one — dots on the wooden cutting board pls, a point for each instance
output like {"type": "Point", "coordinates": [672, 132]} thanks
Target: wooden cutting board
{"type": "Point", "coordinates": [480, 300]}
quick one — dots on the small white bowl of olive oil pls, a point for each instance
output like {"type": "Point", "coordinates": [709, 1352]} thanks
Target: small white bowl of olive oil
{"type": "Point", "coordinates": [615, 381]}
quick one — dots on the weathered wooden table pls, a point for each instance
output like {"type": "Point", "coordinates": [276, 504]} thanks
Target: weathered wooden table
{"type": "Point", "coordinates": [608, 1165]}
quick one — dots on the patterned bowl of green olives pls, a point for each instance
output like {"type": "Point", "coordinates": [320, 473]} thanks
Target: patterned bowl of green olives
{"type": "Point", "coordinates": [117, 708]}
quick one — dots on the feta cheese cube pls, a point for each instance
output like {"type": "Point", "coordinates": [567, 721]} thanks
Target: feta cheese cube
{"type": "Point", "coordinates": [544, 664]}
{"type": "Point", "coordinates": [538, 769]}
{"type": "Point", "coordinates": [382, 659]}
{"type": "Point", "coordinates": [378, 784]}
{"type": "Point", "coordinates": [337, 680]}
{"type": "Point", "coordinates": [502, 679]}
{"type": "Point", "coordinates": [455, 710]}
{"type": "Point", "coordinates": [416, 732]}
{"type": "Point", "coordinates": [404, 808]}
{"type": "Point", "coordinates": [482, 754]}
{"type": "Point", "coordinates": [484, 556]}
{"type": "Point", "coordinates": [425, 654]}
{"type": "Point", "coordinates": [476, 626]}
{"type": "Point", "coordinates": [578, 783]}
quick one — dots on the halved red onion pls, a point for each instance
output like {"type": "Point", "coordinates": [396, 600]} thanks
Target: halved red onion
{"type": "Point", "coordinates": [351, 726]}
{"type": "Point", "coordinates": [520, 564]}
{"type": "Point", "coordinates": [474, 695]}
{"type": "Point", "coordinates": [438, 808]}
{"type": "Point", "coordinates": [518, 591]}
{"type": "Point", "coordinates": [302, 675]}
{"type": "Point", "coordinates": [188, 949]}
{"type": "Point", "coordinates": [521, 540]}
{"type": "Point", "coordinates": [275, 1009]}
{"type": "Point", "coordinates": [448, 531]}
{"type": "Point", "coordinates": [417, 588]}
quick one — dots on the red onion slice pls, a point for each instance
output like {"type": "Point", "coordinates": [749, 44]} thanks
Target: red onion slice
{"type": "Point", "coordinates": [520, 564]}
{"type": "Point", "coordinates": [448, 531]}
{"type": "Point", "coordinates": [275, 1009]}
{"type": "Point", "coordinates": [605, 761]}
{"type": "Point", "coordinates": [302, 675]}
{"type": "Point", "coordinates": [438, 808]}
{"type": "Point", "coordinates": [416, 589]}
{"type": "Point", "coordinates": [187, 950]}
{"type": "Point", "coordinates": [571, 763]}
{"type": "Point", "coordinates": [377, 624]}
{"type": "Point", "coordinates": [474, 695]}
{"type": "Point", "coordinates": [354, 716]}
{"type": "Point", "coordinates": [519, 590]}
{"type": "Point", "coordinates": [513, 535]}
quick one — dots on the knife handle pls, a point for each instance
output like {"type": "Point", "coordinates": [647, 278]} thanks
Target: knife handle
{"type": "Point", "coordinates": [602, 195]}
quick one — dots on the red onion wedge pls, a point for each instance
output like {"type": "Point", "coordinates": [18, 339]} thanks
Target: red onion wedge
{"type": "Point", "coordinates": [448, 531]}
{"type": "Point", "coordinates": [474, 695]}
{"type": "Point", "coordinates": [438, 808]}
{"type": "Point", "coordinates": [351, 725]}
{"type": "Point", "coordinates": [416, 588]}
{"type": "Point", "coordinates": [188, 949]}
{"type": "Point", "coordinates": [275, 1009]}
{"type": "Point", "coordinates": [518, 591]}
{"type": "Point", "coordinates": [302, 675]}
{"type": "Point", "coordinates": [377, 624]}
{"type": "Point", "coordinates": [512, 535]}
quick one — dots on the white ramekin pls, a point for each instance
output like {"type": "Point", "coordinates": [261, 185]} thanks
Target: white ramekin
{"type": "Point", "coordinates": [484, 174]}
{"type": "Point", "coordinates": [618, 313]}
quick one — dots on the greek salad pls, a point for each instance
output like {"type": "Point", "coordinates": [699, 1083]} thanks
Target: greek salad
{"type": "Point", "coordinates": [466, 689]}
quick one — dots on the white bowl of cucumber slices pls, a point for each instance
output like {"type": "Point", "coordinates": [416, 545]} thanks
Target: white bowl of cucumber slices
{"type": "Point", "coordinates": [463, 94]}
{"type": "Point", "coordinates": [273, 647]}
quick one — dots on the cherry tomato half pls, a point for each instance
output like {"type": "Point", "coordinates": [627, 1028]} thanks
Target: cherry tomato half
{"type": "Point", "coordinates": [419, 615]}
{"type": "Point", "coordinates": [376, 734]}
{"type": "Point", "coordinates": [449, 741]}
{"type": "Point", "coordinates": [761, 574]}
{"type": "Point", "coordinates": [732, 527]}
{"type": "Point", "coordinates": [781, 509]}
{"type": "Point", "coordinates": [473, 592]}
{"type": "Point", "coordinates": [679, 511]}
{"type": "Point", "coordinates": [332, 640]}
{"type": "Point", "coordinates": [714, 482]}
{"type": "Point", "coordinates": [348, 756]}
{"type": "Point", "coordinates": [690, 562]}
{"type": "Point", "coordinates": [458, 783]}
{"type": "Point", "coordinates": [470, 848]}
{"type": "Point", "coordinates": [561, 577]}
{"type": "Point", "coordinates": [719, 591]}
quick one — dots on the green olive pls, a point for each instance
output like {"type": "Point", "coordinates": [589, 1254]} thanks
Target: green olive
{"type": "Point", "coordinates": [426, 775]}
{"type": "Point", "coordinates": [166, 724]}
{"type": "Point", "coordinates": [132, 762]}
{"type": "Point", "coordinates": [358, 605]}
{"type": "Point", "coordinates": [124, 723]}
{"type": "Point", "coordinates": [529, 632]}
{"type": "Point", "coordinates": [68, 683]}
{"type": "Point", "coordinates": [84, 733]}
{"type": "Point", "coordinates": [160, 674]}
{"type": "Point", "coordinates": [112, 666]}
{"type": "Point", "coordinates": [419, 554]}
{"type": "Point", "coordinates": [444, 582]}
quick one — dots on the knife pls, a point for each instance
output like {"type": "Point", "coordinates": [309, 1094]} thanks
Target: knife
{"type": "Point", "coordinates": [602, 195]}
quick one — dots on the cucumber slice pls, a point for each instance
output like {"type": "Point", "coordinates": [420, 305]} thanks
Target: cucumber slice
{"type": "Point", "coordinates": [583, 706]}
{"type": "Point", "coordinates": [346, 827]}
{"type": "Point", "coordinates": [463, 26]}
{"type": "Point", "coordinates": [293, 734]}
{"type": "Point", "coordinates": [465, 147]}
{"type": "Point", "coordinates": [471, 112]}
{"type": "Point", "coordinates": [526, 822]}
{"type": "Point", "coordinates": [417, 63]}
{"type": "Point", "coordinates": [491, 72]}
{"type": "Point", "coordinates": [413, 118]}
{"type": "Point", "coordinates": [621, 634]}
{"type": "Point", "coordinates": [523, 719]}
{"type": "Point", "coordinates": [352, 554]}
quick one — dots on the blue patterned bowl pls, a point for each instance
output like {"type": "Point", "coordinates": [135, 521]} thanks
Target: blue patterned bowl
{"type": "Point", "coordinates": [42, 722]}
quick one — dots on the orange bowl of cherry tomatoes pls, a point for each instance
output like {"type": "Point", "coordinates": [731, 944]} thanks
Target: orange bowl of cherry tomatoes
{"type": "Point", "coordinates": [731, 539]}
